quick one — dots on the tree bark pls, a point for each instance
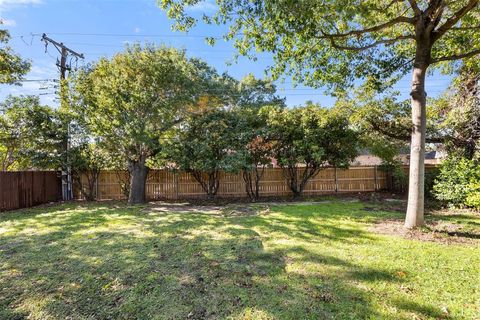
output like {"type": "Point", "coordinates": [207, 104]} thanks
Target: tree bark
{"type": "Point", "coordinates": [209, 184]}
{"type": "Point", "coordinates": [138, 178]}
{"type": "Point", "coordinates": [87, 192]}
{"type": "Point", "coordinates": [415, 210]}
{"type": "Point", "coordinates": [252, 178]}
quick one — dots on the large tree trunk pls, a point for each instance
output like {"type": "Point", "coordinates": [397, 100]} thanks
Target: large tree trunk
{"type": "Point", "coordinates": [415, 209]}
{"type": "Point", "coordinates": [138, 178]}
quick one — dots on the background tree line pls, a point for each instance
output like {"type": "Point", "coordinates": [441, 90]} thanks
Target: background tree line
{"type": "Point", "coordinates": [152, 107]}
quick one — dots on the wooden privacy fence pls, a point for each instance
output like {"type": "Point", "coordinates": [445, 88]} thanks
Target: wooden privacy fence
{"type": "Point", "coordinates": [166, 184]}
{"type": "Point", "coordinates": [25, 189]}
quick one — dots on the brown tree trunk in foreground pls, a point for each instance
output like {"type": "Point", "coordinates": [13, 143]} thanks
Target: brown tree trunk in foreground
{"type": "Point", "coordinates": [415, 209]}
{"type": "Point", "coordinates": [138, 178]}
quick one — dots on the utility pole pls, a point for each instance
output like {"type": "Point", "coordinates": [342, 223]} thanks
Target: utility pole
{"type": "Point", "coordinates": [67, 185]}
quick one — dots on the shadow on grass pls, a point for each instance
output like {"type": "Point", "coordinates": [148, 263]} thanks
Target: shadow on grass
{"type": "Point", "coordinates": [473, 220]}
{"type": "Point", "coordinates": [424, 310]}
{"type": "Point", "coordinates": [106, 262]}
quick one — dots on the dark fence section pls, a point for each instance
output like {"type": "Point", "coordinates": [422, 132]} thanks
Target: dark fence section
{"type": "Point", "coordinates": [397, 180]}
{"type": "Point", "coordinates": [23, 189]}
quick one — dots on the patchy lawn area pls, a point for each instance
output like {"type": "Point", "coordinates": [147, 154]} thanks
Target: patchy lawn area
{"type": "Point", "coordinates": [292, 261]}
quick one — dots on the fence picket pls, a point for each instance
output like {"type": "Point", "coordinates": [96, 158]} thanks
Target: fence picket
{"type": "Point", "coordinates": [165, 184]}
{"type": "Point", "coordinates": [24, 189]}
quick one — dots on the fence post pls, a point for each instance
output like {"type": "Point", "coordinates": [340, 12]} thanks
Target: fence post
{"type": "Point", "coordinates": [375, 177]}
{"type": "Point", "coordinates": [336, 180]}
{"type": "Point", "coordinates": [175, 179]}
{"type": "Point", "coordinates": [44, 188]}
{"type": "Point", "coordinates": [96, 186]}
{"type": "Point", "coordinates": [19, 188]}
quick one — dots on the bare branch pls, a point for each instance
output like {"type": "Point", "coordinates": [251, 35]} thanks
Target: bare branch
{"type": "Point", "coordinates": [371, 45]}
{"type": "Point", "coordinates": [454, 19]}
{"type": "Point", "coordinates": [379, 27]}
{"type": "Point", "coordinates": [397, 134]}
{"type": "Point", "coordinates": [434, 12]}
{"type": "Point", "coordinates": [457, 56]}
{"type": "Point", "coordinates": [415, 8]}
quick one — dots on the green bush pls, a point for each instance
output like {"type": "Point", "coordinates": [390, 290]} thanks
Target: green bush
{"type": "Point", "coordinates": [431, 175]}
{"type": "Point", "coordinates": [473, 196]}
{"type": "Point", "coordinates": [458, 182]}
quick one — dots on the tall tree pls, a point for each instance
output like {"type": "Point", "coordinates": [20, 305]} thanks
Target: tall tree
{"type": "Point", "coordinates": [12, 66]}
{"type": "Point", "coordinates": [335, 42]}
{"type": "Point", "coordinates": [132, 100]}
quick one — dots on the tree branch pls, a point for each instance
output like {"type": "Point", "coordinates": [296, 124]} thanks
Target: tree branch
{"type": "Point", "coordinates": [380, 128]}
{"type": "Point", "coordinates": [415, 8]}
{"type": "Point", "coordinates": [434, 13]}
{"type": "Point", "coordinates": [454, 19]}
{"type": "Point", "coordinates": [372, 45]}
{"type": "Point", "coordinates": [379, 27]}
{"type": "Point", "coordinates": [456, 56]}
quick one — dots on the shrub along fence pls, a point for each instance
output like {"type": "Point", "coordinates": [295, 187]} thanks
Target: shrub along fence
{"type": "Point", "coordinates": [398, 182]}
{"type": "Point", "coordinates": [167, 184]}
{"type": "Point", "coordinates": [23, 189]}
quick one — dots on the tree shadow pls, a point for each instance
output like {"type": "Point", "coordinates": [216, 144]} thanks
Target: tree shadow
{"type": "Point", "coordinates": [106, 263]}
{"type": "Point", "coordinates": [464, 219]}
{"type": "Point", "coordinates": [309, 223]}
{"type": "Point", "coordinates": [424, 310]}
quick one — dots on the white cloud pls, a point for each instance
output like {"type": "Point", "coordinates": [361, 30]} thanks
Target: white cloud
{"type": "Point", "coordinates": [6, 5]}
{"type": "Point", "coordinates": [19, 2]}
{"type": "Point", "coordinates": [43, 72]}
{"type": "Point", "coordinates": [204, 6]}
{"type": "Point", "coordinates": [137, 30]}
{"type": "Point", "coordinates": [8, 22]}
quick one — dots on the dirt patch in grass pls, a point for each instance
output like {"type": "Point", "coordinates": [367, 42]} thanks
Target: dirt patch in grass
{"type": "Point", "coordinates": [221, 210]}
{"type": "Point", "coordinates": [434, 231]}
{"type": "Point", "coordinates": [167, 207]}
{"type": "Point", "coordinates": [228, 209]}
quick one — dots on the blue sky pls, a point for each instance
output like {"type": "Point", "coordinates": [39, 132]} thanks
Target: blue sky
{"type": "Point", "coordinates": [102, 27]}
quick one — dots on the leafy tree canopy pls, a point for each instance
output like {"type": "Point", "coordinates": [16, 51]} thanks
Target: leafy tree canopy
{"type": "Point", "coordinates": [133, 100]}
{"type": "Point", "coordinates": [31, 135]}
{"type": "Point", "coordinates": [335, 42]}
{"type": "Point", "coordinates": [205, 145]}
{"type": "Point", "coordinates": [12, 66]}
{"type": "Point", "coordinates": [309, 138]}
{"type": "Point", "coordinates": [459, 109]}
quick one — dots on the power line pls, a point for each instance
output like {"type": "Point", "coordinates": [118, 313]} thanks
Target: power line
{"type": "Point", "coordinates": [130, 35]}
{"type": "Point", "coordinates": [38, 80]}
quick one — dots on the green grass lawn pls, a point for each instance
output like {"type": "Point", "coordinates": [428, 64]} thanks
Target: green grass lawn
{"type": "Point", "coordinates": [308, 261]}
